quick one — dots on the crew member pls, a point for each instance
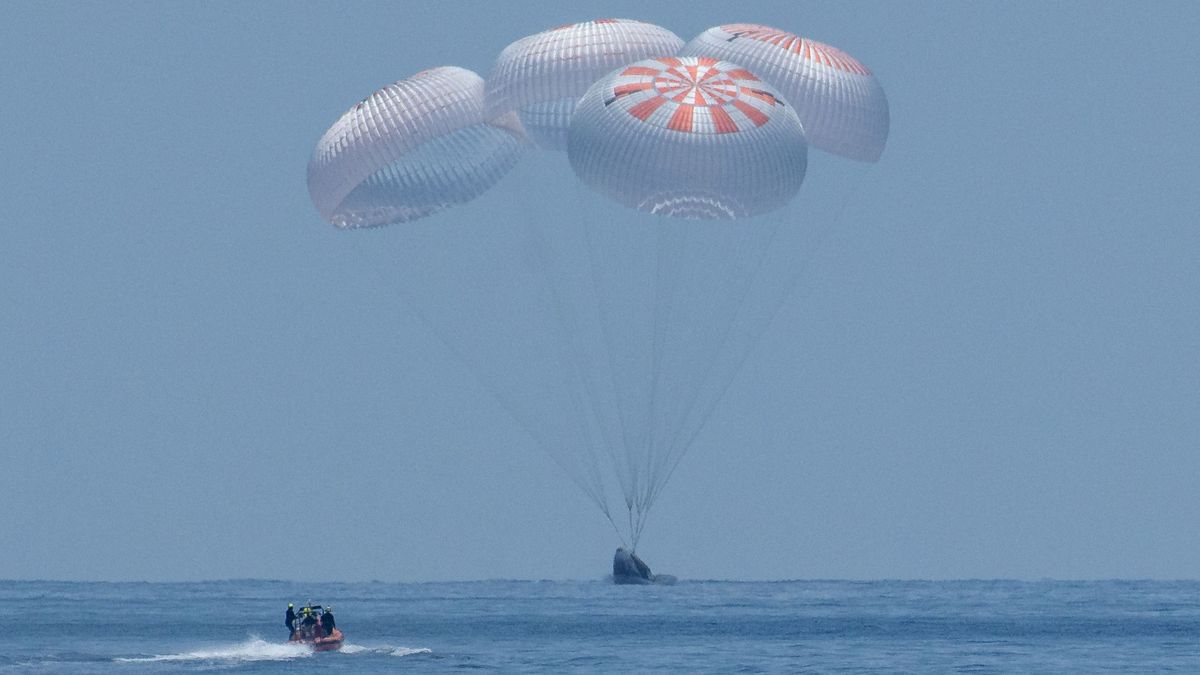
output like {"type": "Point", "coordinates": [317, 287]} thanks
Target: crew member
{"type": "Point", "coordinates": [327, 621]}
{"type": "Point", "coordinates": [309, 622]}
{"type": "Point", "coordinates": [289, 620]}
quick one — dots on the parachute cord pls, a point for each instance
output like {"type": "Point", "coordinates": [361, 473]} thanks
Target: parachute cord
{"type": "Point", "coordinates": [510, 408]}
{"type": "Point", "coordinates": [616, 529]}
{"type": "Point", "coordinates": [623, 477]}
{"type": "Point", "coordinates": [635, 529]}
{"type": "Point", "coordinates": [633, 521]}
{"type": "Point", "coordinates": [664, 292]}
{"type": "Point", "coordinates": [542, 262]}
{"type": "Point", "coordinates": [641, 526]}
{"type": "Point", "coordinates": [748, 248]}
{"type": "Point", "coordinates": [644, 442]}
{"type": "Point", "coordinates": [723, 307]}
{"type": "Point", "coordinates": [477, 371]}
{"type": "Point", "coordinates": [822, 233]}
{"type": "Point", "coordinates": [680, 250]}
{"type": "Point", "coordinates": [625, 467]}
{"type": "Point", "coordinates": [693, 248]}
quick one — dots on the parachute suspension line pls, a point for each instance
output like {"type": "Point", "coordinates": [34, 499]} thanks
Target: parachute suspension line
{"type": "Point", "coordinates": [477, 371]}
{"type": "Point", "coordinates": [751, 250]}
{"type": "Point", "coordinates": [685, 349]}
{"type": "Point", "coordinates": [685, 255]}
{"type": "Point", "coordinates": [686, 266]}
{"type": "Point", "coordinates": [756, 334]}
{"type": "Point", "coordinates": [622, 464]}
{"type": "Point", "coordinates": [620, 535]}
{"type": "Point", "coordinates": [634, 533]}
{"type": "Point", "coordinates": [624, 477]}
{"type": "Point", "coordinates": [641, 525]}
{"type": "Point", "coordinates": [542, 261]}
{"type": "Point", "coordinates": [642, 469]}
{"type": "Point", "coordinates": [666, 251]}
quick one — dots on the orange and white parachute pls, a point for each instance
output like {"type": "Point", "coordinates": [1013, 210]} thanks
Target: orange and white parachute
{"type": "Point", "coordinates": [541, 76]}
{"type": "Point", "coordinates": [839, 101]}
{"type": "Point", "coordinates": [688, 137]}
{"type": "Point", "coordinates": [411, 149]}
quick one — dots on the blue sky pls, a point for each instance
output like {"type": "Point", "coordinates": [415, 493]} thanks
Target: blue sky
{"type": "Point", "coordinates": [988, 369]}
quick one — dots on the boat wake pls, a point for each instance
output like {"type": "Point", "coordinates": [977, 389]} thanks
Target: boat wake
{"type": "Point", "coordinates": [387, 650]}
{"type": "Point", "coordinates": [257, 649]}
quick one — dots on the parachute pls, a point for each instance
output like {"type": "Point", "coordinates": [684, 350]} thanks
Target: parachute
{"type": "Point", "coordinates": [839, 101]}
{"type": "Point", "coordinates": [411, 149]}
{"type": "Point", "coordinates": [608, 322]}
{"type": "Point", "coordinates": [693, 139]}
{"type": "Point", "coordinates": [541, 76]}
{"type": "Point", "coordinates": [690, 137]}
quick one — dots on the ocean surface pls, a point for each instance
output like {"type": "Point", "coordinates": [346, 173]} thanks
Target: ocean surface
{"type": "Point", "coordinates": [556, 626]}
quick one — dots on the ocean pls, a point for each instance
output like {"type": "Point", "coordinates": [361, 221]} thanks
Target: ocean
{"type": "Point", "coordinates": [589, 626]}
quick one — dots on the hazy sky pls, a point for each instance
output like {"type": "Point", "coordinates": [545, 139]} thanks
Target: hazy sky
{"type": "Point", "coordinates": [991, 367]}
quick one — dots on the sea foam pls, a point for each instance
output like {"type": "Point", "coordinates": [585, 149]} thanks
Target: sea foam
{"type": "Point", "coordinates": [255, 649]}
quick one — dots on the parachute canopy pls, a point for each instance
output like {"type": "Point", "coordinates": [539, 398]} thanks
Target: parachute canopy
{"type": "Point", "coordinates": [842, 106]}
{"type": "Point", "coordinates": [688, 137]}
{"type": "Point", "coordinates": [542, 76]}
{"type": "Point", "coordinates": [411, 149]}
{"type": "Point", "coordinates": [608, 334]}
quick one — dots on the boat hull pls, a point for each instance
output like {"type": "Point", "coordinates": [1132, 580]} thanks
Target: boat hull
{"type": "Point", "coordinates": [325, 643]}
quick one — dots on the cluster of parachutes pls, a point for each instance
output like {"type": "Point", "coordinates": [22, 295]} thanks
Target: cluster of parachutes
{"type": "Point", "coordinates": [715, 128]}
{"type": "Point", "coordinates": [647, 340]}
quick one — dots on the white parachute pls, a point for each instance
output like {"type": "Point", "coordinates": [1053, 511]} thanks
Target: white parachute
{"type": "Point", "coordinates": [411, 149]}
{"type": "Point", "coordinates": [541, 76]}
{"type": "Point", "coordinates": [839, 101]}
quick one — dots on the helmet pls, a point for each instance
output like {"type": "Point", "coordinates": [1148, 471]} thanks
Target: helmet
{"type": "Point", "coordinates": [290, 605]}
